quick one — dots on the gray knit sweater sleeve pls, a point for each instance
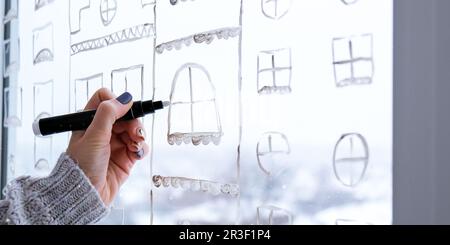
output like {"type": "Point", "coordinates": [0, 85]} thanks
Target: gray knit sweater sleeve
{"type": "Point", "coordinates": [66, 196]}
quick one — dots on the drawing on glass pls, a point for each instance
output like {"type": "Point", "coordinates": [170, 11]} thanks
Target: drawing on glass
{"type": "Point", "coordinates": [12, 165]}
{"type": "Point", "coordinates": [76, 10]}
{"type": "Point", "coordinates": [42, 108]}
{"type": "Point", "coordinates": [348, 2]}
{"type": "Point", "coordinates": [204, 37]}
{"type": "Point", "coordinates": [13, 107]}
{"type": "Point", "coordinates": [270, 147]}
{"type": "Point", "coordinates": [85, 88]}
{"type": "Point", "coordinates": [41, 3]}
{"type": "Point", "coordinates": [274, 71]}
{"type": "Point", "coordinates": [43, 44]}
{"type": "Point", "coordinates": [126, 35]}
{"type": "Point", "coordinates": [11, 57]}
{"type": "Point", "coordinates": [193, 112]}
{"type": "Point", "coordinates": [351, 222]}
{"type": "Point", "coordinates": [108, 9]}
{"type": "Point", "coordinates": [350, 159]}
{"type": "Point", "coordinates": [275, 9]}
{"type": "Point", "coordinates": [174, 2]}
{"type": "Point", "coordinates": [145, 3]}
{"type": "Point", "coordinates": [130, 80]}
{"type": "Point", "coordinates": [272, 215]}
{"type": "Point", "coordinates": [194, 185]}
{"type": "Point", "coordinates": [353, 60]}
{"type": "Point", "coordinates": [12, 12]}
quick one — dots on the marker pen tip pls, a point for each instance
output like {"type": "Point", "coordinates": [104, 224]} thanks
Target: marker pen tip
{"type": "Point", "coordinates": [166, 103]}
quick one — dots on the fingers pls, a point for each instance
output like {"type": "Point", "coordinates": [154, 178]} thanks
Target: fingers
{"type": "Point", "coordinates": [100, 95]}
{"type": "Point", "coordinates": [134, 128]}
{"type": "Point", "coordinates": [108, 112]}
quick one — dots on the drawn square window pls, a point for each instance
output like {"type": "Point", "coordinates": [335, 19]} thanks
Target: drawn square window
{"type": "Point", "coordinates": [275, 9]}
{"type": "Point", "coordinates": [130, 80]}
{"type": "Point", "coordinates": [41, 3]}
{"type": "Point", "coordinates": [193, 113]}
{"type": "Point", "coordinates": [353, 60]}
{"type": "Point", "coordinates": [274, 71]}
{"type": "Point", "coordinates": [271, 215]}
{"type": "Point", "coordinates": [145, 3]}
{"type": "Point", "coordinates": [76, 9]}
{"type": "Point", "coordinates": [350, 159]}
{"type": "Point", "coordinates": [13, 107]}
{"type": "Point", "coordinates": [11, 57]}
{"type": "Point", "coordinates": [43, 44]}
{"type": "Point", "coordinates": [11, 10]}
{"type": "Point", "coordinates": [43, 107]}
{"type": "Point", "coordinates": [271, 150]}
{"type": "Point", "coordinates": [85, 89]}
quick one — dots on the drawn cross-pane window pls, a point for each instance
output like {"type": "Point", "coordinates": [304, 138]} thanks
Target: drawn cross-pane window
{"type": "Point", "coordinates": [271, 151]}
{"type": "Point", "coordinates": [41, 3]}
{"type": "Point", "coordinates": [130, 80]}
{"type": "Point", "coordinates": [85, 88]}
{"type": "Point", "coordinates": [145, 3]}
{"type": "Point", "coordinates": [275, 9]}
{"type": "Point", "coordinates": [11, 57]}
{"type": "Point", "coordinates": [76, 9]}
{"type": "Point", "coordinates": [43, 44]}
{"type": "Point", "coordinates": [11, 10]}
{"type": "Point", "coordinates": [271, 215]}
{"type": "Point", "coordinates": [353, 60]}
{"type": "Point", "coordinates": [42, 107]}
{"type": "Point", "coordinates": [108, 9]}
{"type": "Point", "coordinates": [349, 2]}
{"type": "Point", "coordinates": [274, 71]}
{"type": "Point", "coordinates": [350, 159]}
{"type": "Point", "coordinates": [193, 112]}
{"type": "Point", "coordinates": [13, 107]}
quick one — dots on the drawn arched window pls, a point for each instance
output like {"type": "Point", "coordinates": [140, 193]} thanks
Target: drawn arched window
{"type": "Point", "coordinates": [272, 215]}
{"type": "Point", "coordinates": [270, 146]}
{"type": "Point", "coordinates": [274, 71]}
{"type": "Point", "coordinates": [350, 159]}
{"type": "Point", "coordinates": [275, 9]}
{"type": "Point", "coordinates": [353, 60]}
{"type": "Point", "coordinates": [43, 44]}
{"type": "Point", "coordinates": [42, 107]}
{"type": "Point", "coordinates": [193, 113]}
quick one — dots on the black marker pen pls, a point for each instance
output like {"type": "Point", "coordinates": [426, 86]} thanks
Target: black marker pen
{"type": "Point", "coordinates": [82, 120]}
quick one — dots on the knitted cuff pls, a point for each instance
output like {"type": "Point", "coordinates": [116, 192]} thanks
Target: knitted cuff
{"type": "Point", "coordinates": [65, 197]}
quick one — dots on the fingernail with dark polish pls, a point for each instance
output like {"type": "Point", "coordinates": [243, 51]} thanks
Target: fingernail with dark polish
{"type": "Point", "coordinates": [125, 98]}
{"type": "Point", "coordinates": [140, 153]}
{"type": "Point", "coordinates": [141, 132]}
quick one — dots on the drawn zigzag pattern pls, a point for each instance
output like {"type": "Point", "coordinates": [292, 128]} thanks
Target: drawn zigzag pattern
{"type": "Point", "coordinates": [126, 35]}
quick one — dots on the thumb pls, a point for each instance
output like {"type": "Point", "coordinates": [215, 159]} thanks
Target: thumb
{"type": "Point", "coordinates": [108, 112]}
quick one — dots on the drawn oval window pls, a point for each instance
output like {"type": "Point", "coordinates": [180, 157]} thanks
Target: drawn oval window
{"type": "Point", "coordinates": [350, 159]}
{"type": "Point", "coordinates": [193, 112]}
{"type": "Point", "coordinates": [271, 152]}
{"type": "Point", "coordinates": [108, 9]}
{"type": "Point", "coordinates": [275, 9]}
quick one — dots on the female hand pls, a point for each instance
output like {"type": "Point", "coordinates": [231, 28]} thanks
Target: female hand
{"type": "Point", "coordinates": [107, 151]}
